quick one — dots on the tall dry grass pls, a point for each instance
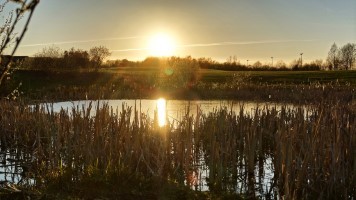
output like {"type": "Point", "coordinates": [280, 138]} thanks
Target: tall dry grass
{"type": "Point", "coordinates": [308, 152]}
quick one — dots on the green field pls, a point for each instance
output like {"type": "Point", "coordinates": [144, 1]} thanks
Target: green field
{"type": "Point", "coordinates": [211, 75]}
{"type": "Point", "coordinates": [45, 78]}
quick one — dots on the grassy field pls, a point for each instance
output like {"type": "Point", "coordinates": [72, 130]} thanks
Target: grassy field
{"type": "Point", "coordinates": [38, 78]}
{"type": "Point", "coordinates": [211, 75]}
{"type": "Point", "coordinates": [150, 82]}
{"type": "Point", "coordinates": [288, 77]}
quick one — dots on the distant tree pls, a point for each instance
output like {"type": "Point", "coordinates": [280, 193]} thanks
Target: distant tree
{"type": "Point", "coordinates": [348, 55]}
{"type": "Point", "coordinates": [51, 52]}
{"type": "Point", "coordinates": [206, 63]}
{"type": "Point", "coordinates": [257, 64]}
{"type": "Point", "coordinates": [98, 54]}
{"type": "Point", "coordinates": [152, 62]}
{"type": "Point", "coordinates": [119, 63]}
{"type": "Point", "coordinates": [124, 63]}
{"type": "Point", "coordinates": [76, 58]}
{"type": "Point", "coordinates": [232, 60]}
{"type": "Point", "coordinates": [281, 64]}
{"type": "Point", "coordinates": [294, 65]}
{"type": "Point", "coordinates": [48, 58]}
{"type": "Point", "coordinates": [312, 66]}
{"type": "Point", "coordinates": [318, 63]}
{"type": "Point", "coordinates": [333, 59]}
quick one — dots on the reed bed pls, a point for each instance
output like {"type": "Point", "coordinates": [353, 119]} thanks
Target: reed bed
{"type": "Point", "coordinates": [299, 153]}
{"type": "Point", "coordinates": [143, 87]}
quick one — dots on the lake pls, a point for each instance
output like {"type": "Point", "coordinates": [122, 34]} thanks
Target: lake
{"type": "Point", "coordinates": [170, 110]}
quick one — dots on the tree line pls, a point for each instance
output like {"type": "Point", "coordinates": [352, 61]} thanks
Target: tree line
{"type": "Point", "coordinates": [343, 58]}
{"type": "Point", "coordinates": [228, 65]}
{"type": "Point", "coordinates": [340, 58]}
{"type": "Point", "coordinates": [54, 58]}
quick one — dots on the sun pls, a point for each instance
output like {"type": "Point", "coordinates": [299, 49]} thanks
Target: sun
{"type": "Point", "coordinates": [161, 45]}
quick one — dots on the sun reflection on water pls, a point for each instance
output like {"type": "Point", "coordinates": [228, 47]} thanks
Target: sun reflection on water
{"type": "Point", "coordinates": [161, 111]}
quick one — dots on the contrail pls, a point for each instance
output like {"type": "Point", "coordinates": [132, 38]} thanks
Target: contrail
{"type": "Point", "coordinates": [220, 44]}
{"type": "Point", "coordinates": [133, 49]}
{"type": "Point", "coordinates": [81, 41]}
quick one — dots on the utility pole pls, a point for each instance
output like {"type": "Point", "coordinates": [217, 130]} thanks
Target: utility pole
{"type": "Point", "coordinates": [272, 60]}
{"type": "Point", "coordinates": [247, 63]}
{"type": "Point", "coordinates": [301, 59]}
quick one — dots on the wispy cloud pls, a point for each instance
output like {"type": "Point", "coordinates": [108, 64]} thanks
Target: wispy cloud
{"type": "Point", "coordinates": [220, 44]}
{"type": "Point", "coordinates": [243, 43]}
{"type": "Point", "coordinates": [81, 41]}
{"type": "Point", "coordinates": [133, 49]}
{"type": "Point", "coordinates": [178, 46]}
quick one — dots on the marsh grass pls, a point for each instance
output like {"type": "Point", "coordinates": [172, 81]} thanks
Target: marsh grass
{"type": "Point", "coordinates": [309, 152]}
{"type": "Point", "coordinates": [142, 83]}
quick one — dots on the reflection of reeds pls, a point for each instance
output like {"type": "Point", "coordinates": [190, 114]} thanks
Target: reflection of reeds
{"type": "Point", "coordinates": [312, 154]}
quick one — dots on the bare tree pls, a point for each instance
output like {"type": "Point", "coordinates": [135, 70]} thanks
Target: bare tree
{"type": "Point", "coordinates": [257, 64]}
{"type": "Point", "coordinates": [8, 27]}
{"type": "Point", "coordinates": [98, 54]}
{"type": "Point", "coordinates": [333, 59]}
{"type": "Point", "coordinates": [50, 51]}
{"type": "Point", "coordinates": [280, 64]}
{"type": "Point", "coordinates": [48, 58]}
{"type": "Point", "coordinates": [348, 55]}
{"type": "Point", "coordinates": [232, 60]}
{"type": "Point", "coordinates": [318, 63]}
{"type": "Point", "coordinates": [294, 64]}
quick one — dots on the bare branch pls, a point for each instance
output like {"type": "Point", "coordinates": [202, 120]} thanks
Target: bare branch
{"type": "Point", "coordinates": [30, 7]}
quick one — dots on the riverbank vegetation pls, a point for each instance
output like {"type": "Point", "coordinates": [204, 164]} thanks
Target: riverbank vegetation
{"type": "Point", "coordinates": [151, 83]}
{"type": "Point", "coordinates": [291, 153]}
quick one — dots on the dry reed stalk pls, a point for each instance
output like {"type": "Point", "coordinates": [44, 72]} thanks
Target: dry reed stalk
{"type": "Point", "coordinates": [312, 156]}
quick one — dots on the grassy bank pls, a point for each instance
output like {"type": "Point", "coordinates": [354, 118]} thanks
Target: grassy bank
{"type": "Point", "coordinates": [119, 83]}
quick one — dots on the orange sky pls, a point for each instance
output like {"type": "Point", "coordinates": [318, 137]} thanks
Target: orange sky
{"type": "Point", "coordinates": [253, 30]}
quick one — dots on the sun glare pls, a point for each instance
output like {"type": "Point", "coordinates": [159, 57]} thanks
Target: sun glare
{"type": "Point", "coordinates": [161, 112]}
{"type": "Point", "coordinates": [161, 45]}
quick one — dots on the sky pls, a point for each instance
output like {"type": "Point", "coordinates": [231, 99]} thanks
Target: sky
{"type": "Point", "coordinates": [253, 30]}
